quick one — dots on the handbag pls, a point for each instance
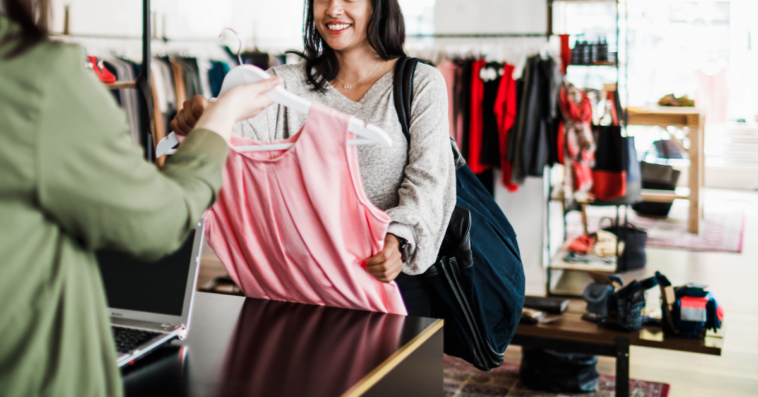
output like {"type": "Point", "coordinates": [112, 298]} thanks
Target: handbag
{"type": "Point", "coordinates": [609, 172]}
{"type": "Point", "coordinates": [635, 240]}
{"type": "Point", "coordinates": [658, 177]}
{"type": "Point", "coordinates": [656, 173]}
{"type": "Point", "coordinates": [633, 173]}
{"type": "Point", "coordinates": [629, 302]}
{"type": "Point", "coordinates": [557, 372]}
{"type": "Point", "coordinates": [688, 311]}
{"type": "Point", "coordinates": [478, 279]}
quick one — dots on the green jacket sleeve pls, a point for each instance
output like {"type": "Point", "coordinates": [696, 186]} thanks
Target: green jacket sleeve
{"type": "Point", "coordinates": [93, 180]}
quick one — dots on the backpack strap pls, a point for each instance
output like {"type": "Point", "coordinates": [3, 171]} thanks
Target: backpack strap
{"type": "Point", "coordinates": [405, 69]}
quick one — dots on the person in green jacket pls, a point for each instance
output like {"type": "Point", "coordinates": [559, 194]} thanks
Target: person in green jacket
{"type": "Point", "coordinates": [72, 182]}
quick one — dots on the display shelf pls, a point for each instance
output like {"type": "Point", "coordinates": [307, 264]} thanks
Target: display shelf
{"type": "Point", "coordinates": [120, 85]}
{"type": "Point", "coordinates": [559, 264]}
{"type": "Point", "coordinates": [661, 196]}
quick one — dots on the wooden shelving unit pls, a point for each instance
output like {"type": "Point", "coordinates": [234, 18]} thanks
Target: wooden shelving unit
{"type": "Point", "coordinates": [694, 120]}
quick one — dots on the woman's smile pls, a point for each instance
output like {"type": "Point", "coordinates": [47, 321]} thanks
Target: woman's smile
{"type": "Point", "coordinates": [338, 27]}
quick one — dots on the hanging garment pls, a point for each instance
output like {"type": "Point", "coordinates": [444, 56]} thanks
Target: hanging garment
{"type": "Point", "coordinates": [447, 68]}
{"type": "Point", "coordinates": [505, 111]}
{"type": "Point", "coordinates": [551, 73]}
{"type": "Point", "coordinates": [181, 90]}
{"type": "Point", "coordinates": [100, 70]}
{"type": "Point", "coordinates": [112, 69]}
{"type": "Point", "coordinates": [565, 53]}
{"type": "Point", "coordinates": [542, 104]}
{"type": "Point", "coordinates": [516, 152]}
{"type": "Point", "coordinates": [490, 148]}
{"type": "Point", "coordinates": [463, 112]}
{"type": "Point", "coordinates": [296, 225]}
{"type": "Point", "coordinates": [128, 96]}
{"type": "Point", "coordinates": [712, 95]}
{"type": "Point", "coordinates": [476, 119]}
{"type": "Point", "coordinates": [204, 66]}
{"type": "Point", "coordinates": [579, 155]}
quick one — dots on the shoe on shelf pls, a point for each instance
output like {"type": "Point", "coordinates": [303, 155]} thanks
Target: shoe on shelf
{"type": "Point", "coordinates": [671, 100]}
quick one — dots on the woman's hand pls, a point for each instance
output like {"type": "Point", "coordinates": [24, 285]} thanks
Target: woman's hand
{"type": "Point", "coordinates": [387, 264]}
{"type": "Point", "coordinates": [239, 103]}
{"type": "Point", "coordinates": [185, 120]}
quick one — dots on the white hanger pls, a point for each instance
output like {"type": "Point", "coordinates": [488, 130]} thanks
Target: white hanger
{"type": "Point", "coordinates": [246, 74]}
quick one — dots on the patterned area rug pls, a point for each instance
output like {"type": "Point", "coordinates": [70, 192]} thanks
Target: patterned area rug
{"type": "Point", "coordinates": [463, 380]}
{"type": "Point", "coordinates": [721, 230]}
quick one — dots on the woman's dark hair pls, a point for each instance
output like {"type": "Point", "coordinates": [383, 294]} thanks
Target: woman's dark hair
{"type": "Point", "coordinates": [32, 18]}
{"type": "Point", "coordinates": [385, 33]}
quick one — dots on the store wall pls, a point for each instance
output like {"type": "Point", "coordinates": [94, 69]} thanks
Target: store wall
{"type": "Point", "coordinates": [491, 16]}
{"type": "Point", "coordinates": [269, 23]}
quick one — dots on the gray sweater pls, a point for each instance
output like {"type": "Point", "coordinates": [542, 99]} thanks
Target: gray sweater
{"type": "Point", "coordinates": [415, 188]}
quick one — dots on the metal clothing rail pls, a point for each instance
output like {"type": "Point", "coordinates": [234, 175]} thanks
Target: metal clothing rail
{"type": "Point", "coordinates": [475, 35]}
{"type": "Point", "coordinates": [128, 37]}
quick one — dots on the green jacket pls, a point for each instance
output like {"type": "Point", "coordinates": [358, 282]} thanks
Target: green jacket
{"type": "Point", "coordinates": [71, 182]}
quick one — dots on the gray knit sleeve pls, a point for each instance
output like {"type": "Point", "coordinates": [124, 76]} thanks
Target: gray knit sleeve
{"type": "Point", "coordinates": [427, 194]}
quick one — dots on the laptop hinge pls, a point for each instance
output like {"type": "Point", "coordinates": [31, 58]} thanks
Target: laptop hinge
{"type": "Point", "coordinates": [145, 325]}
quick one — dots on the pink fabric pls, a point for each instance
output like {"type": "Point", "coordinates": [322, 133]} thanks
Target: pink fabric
{"type": "Point", "coordinates": [296, 225]}
{"type": "Point", "coordinates": [712, 95]}
{"type": "Point", "coordinates": [447, 68]}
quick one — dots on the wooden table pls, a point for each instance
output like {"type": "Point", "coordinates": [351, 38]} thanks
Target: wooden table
{"type": "Point", "coordinates": [571, 334]}
{"type": "Point", "coordinates": [694, 119]}
{"type": "Point", "coordinates": [249, 347]}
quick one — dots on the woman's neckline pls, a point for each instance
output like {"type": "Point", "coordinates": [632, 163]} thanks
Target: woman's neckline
{"type": "Point", "coordinates": [366, 95]}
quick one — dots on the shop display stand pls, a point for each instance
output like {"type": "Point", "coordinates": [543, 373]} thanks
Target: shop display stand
{"type": "Point", "coordinates": [555, 263]}
{"type": "Point", "coordinates": [694, 120]}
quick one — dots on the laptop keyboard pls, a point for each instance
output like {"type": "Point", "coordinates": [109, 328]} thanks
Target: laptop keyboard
{"type": "Point", "coordinates": [128, 339]}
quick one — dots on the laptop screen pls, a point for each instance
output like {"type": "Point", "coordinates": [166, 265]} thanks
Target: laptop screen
{"type": "Point", "coordinates": [157, 287]}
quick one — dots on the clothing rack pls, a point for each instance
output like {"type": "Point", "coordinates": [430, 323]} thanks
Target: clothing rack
{"type": "Point", "coordinates": [475, 35]}
{"type": "Point", "coordinates": [128, 37]}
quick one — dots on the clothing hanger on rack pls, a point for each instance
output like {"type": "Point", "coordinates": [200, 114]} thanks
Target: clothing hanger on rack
{"type": "Point", "coordinates": [246, 74]}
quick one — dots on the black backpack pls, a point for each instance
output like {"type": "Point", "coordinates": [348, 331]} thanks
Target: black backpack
{"type": "Point", "coordinates": [478, 279]}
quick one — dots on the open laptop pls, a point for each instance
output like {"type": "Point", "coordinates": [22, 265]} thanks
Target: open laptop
{"type": "Point", "coordinates": [150, 303]}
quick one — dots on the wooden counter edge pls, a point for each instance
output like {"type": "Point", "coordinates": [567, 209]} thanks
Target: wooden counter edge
{"type": "Point", "coordinates": [373, 377]}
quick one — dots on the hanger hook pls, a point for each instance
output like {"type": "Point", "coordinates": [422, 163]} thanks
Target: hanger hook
{"type": "Point", "coordinates": [239, 49]}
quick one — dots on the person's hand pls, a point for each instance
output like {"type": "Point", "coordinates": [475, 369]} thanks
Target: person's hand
{"type": "Point", "coordinates": [185, 120]}
{"type": "Point", "coordinates": [237, 104]}
{"type": "Point", "coordinates": [247, 101]}
{"type": "Point", "coordinates": [387, 264]}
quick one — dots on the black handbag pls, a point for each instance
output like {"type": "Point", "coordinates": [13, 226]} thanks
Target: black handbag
{"type": "Point", "coordinates": [478, 280]}
{"type": "Point", "coordinates": [557, 372]}
{"type": "Point", "coordinates": [635, 240]}
{"type": "Point", "coordinates": [632, 169]}
{"type": "Point", "coordinates": [609, 173]}
{"type": "Point", "coordinates": [658, 177]}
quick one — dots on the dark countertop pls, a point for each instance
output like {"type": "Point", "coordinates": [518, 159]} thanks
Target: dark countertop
{"type": "Point", "coordinates": [239, 346]}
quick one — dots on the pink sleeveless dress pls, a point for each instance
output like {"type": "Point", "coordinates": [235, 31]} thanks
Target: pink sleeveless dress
{"type": "Point", "coordinates": [296, 225]}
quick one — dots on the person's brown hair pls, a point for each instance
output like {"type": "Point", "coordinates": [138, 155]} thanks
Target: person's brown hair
{"type": "Point", "coordinates": [32, 17]}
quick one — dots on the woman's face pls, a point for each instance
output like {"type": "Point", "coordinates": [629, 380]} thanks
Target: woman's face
{"type": "Point", "coordinates": [342, 23]}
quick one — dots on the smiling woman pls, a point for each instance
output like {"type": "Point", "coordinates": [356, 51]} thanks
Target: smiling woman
{"type": "Point", "coordinates": [378, 23]}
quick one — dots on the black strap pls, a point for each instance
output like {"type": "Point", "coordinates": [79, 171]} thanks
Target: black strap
{"type": "Point", "coordinates": [405, 69]}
